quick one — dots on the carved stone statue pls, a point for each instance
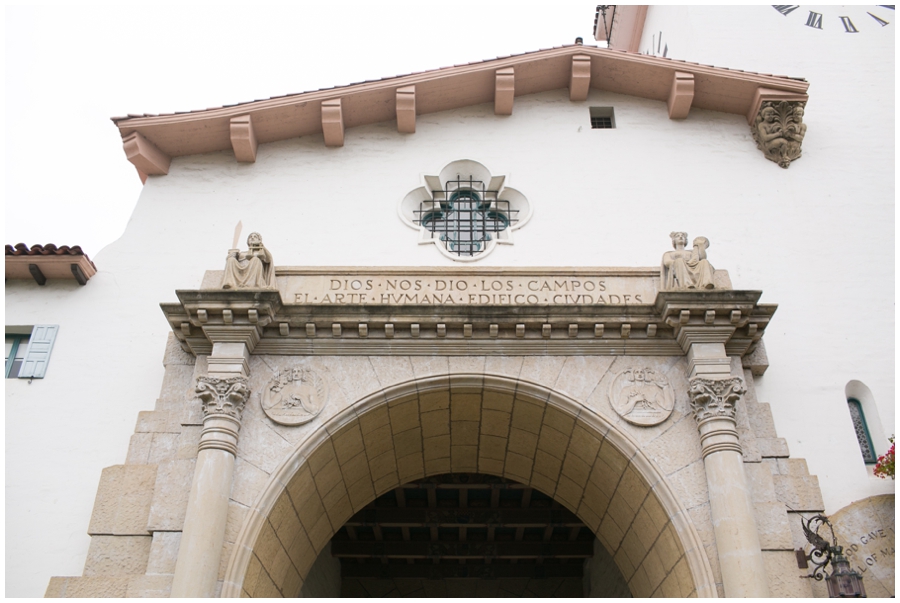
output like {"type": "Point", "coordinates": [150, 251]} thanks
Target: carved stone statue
{"type": "Point", "coordinates": [797, 130]}
{"type": "Point", "coordinates": [686, 268]}
{"type": "Point", "coordinates": [251, 269]}
{"type": "Point", "coordinates": [779, 130]}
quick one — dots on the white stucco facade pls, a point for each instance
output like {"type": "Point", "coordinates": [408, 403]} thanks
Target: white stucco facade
{"type": "Point", "coordinates": [851, 81]}
{"type": "Point", "coordinates": [817, 239]}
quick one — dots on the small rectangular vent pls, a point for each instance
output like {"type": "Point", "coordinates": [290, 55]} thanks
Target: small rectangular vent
{"type": "Point", "coordinates": [602, 118]}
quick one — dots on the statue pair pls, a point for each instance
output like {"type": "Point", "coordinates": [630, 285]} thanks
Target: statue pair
{"type": "Point", "coordinates": [681, 268]}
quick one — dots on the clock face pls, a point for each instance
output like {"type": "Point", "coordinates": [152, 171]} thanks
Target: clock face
{"type": "Point", "coordinates": [843, 19]}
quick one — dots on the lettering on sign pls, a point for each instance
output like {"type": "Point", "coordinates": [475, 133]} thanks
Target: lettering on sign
{"type": "Point", "coordinates": [494, 290]}
{"type": "Point", "coordinates": [872, 549]}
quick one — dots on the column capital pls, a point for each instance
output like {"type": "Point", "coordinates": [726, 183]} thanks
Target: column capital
{"type": "Point", "coordinates": [713, 403]}
{"type": "Point", "coordinates": [715, 398]}
{"type": "Point", "coordinates": [222, 396]}
{"type": "Point", "coordinates": [223, 403]}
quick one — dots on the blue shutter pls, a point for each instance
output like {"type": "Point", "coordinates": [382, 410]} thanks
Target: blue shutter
{"type": "Point", "coordinates": [37, 356]}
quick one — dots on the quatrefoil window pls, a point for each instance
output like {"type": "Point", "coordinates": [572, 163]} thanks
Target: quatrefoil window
{"type": "Point", "coordinates": [465, 211]}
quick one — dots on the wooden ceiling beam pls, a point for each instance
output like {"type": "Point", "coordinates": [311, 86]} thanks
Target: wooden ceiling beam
{"type": "Point", "coordinates": [469, 570]}
{"type": "Point", "coordinates": [463, 550]}
{"type": "Point", "coordinates": [471, 518]}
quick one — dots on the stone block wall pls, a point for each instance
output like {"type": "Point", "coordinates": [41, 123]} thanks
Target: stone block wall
{"type": "Point", "coordinates": [140, 505]}
{"type": "Point", "coordinates": [139, 509]}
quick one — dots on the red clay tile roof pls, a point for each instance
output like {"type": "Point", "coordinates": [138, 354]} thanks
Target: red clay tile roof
{"type": "Point", "coordinates": [48, 249]}
{"type": "Point", "coordinates": [43, 262]}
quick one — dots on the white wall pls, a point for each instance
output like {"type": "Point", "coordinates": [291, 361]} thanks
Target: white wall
{"type": "Point", "coordinates": [835, 323]}
{"type": "Point", "coordinates": [817, 239]}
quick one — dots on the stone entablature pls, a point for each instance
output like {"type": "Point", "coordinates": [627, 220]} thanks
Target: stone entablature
{"type": "Point", "coordinates": [659, 324]}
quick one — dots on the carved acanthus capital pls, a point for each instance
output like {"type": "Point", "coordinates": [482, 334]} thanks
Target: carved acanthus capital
{"type": "Point", "coordinates": [712, 398]}
{"type": "Point", "coordinates": [223, 396]}
{"type": "Point", "coordinates": [779, 130]}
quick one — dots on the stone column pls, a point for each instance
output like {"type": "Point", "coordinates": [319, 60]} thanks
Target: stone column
{"type": "Point", "coordinates": [714, 394]}
{"type": "Point", "coordinates": [223, 393]}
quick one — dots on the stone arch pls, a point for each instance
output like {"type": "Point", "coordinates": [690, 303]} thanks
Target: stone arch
{"type": "Point", "coordinates": [470, 423]}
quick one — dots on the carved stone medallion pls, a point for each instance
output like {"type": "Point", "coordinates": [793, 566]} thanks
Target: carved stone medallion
{"type": "Point", "coordinates": [642, 396]}
{"type": "Point", "coordinates": [294, 397]}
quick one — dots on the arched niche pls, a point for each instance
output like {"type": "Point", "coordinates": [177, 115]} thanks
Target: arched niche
{"type": "Point", "coordinates": [469, 423]}
{"type": "Point", "coordinates": [859, 391]}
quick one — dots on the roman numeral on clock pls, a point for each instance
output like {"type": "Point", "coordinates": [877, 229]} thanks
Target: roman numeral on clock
{"type": "Point", "coordinates": [814, 20]}
{"type": "Point", "coordinates": [848, 25]}
{"type": "Point", "coordinates": [785, 9]}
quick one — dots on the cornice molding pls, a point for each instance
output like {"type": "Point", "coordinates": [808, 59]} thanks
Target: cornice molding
{"type": "Point", "coordinates": [666, 327]}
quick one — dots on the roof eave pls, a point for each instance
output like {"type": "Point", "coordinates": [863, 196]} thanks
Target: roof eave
{"type": "Point", "coordinates": [151, 141]}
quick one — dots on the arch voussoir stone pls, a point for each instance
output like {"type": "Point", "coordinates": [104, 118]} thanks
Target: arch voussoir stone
{"type": "Point", "coordinates": [469, 423]}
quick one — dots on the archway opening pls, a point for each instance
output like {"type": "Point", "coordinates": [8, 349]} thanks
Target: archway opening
{"type": "Point", "coordinates": [465, 535]}
{"type": "Point", "coordinates": [469, 424]}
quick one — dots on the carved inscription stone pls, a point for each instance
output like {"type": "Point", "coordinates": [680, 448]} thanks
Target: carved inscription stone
{"type": "Point", "coordinates": [474, 286]}
{"type": "Point", "coordinates": [440, 287]}
{"type": "Point", "coordinates": [294, 397]}
{"type": "Point", "coordinates": [642, 396]}
{"type": "Point", "coordinates": [866, 531]}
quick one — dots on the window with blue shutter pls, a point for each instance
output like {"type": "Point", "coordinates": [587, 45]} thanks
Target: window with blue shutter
{"type": "Point", "coordinates": [27, 356]}
{"type": "Point", "coordinates": [16, 344]}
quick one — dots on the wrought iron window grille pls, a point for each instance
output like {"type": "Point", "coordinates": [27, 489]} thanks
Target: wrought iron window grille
{"type": "Point", "coordinates": [464, 214]}
{"type": "Point", "coordinates": [601, 123]}
{"type": "Point", "coordinates": [862, 431]}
